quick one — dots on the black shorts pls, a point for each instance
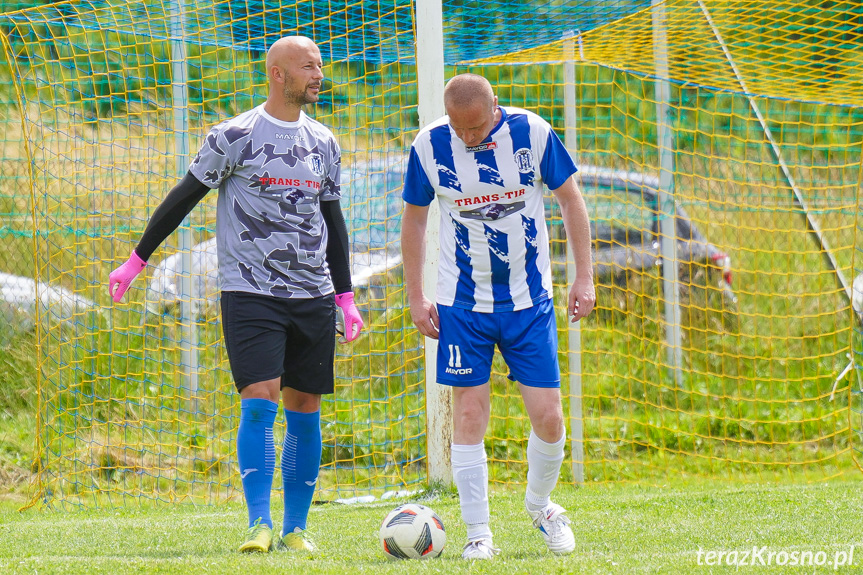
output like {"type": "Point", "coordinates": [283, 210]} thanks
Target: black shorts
{"type": "Point", "coordinates": [269, 337]}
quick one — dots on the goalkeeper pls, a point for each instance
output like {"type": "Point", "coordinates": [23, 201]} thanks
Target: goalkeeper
{"type": "Point", "coordinates": [487, 165]}
{"type": "Point", "coordinates": [283, 254]}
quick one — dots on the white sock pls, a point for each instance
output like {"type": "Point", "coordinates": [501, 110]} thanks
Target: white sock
{"type": "Point", "coordinates": [470, 473]}
{"type": "Point", "coordinates": [543, 469]}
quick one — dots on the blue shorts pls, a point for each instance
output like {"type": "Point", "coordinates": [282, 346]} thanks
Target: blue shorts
{"type": "Point", "coordinates": [527, 339]}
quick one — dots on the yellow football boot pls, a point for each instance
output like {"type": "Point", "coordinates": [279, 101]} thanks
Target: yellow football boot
{"type": "Point", "coordinates": [259, 538]}
{"type": "Point", "coordinates": [296, 541]}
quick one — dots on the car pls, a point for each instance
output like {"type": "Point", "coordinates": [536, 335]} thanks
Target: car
{"type": "Point", "coordinates": [372, 206]}
{"type": "Point", "coordinates": [625, 230]}
{"type": "Point", "coordinates": [23, 301]}
{"type": "Point", "coordinates": [623, 208]}
{"type": "Point", "coordinates": [164, 289]}
{"type": "Point", "coordinates": [857, 296]}
{"type": "Point", "coordinates": [372, 202]}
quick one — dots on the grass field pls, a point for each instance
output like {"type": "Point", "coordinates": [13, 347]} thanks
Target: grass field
{"type": "Point", "coordinates": [619, 529]}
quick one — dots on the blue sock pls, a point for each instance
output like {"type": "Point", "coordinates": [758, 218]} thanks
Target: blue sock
{"type": "Point", "coordinates": [256, 455]}
{"type": "Point", "coordinates": [301, 460]}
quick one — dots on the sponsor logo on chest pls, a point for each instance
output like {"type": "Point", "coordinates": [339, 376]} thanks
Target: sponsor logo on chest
{"type": "Point", "coordinates": [482, 147]}
{"type": "Point", "coordinates": [296, 137]}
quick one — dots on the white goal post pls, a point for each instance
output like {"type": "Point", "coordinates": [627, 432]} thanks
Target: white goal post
{"type": "Point", "coordinates": [430, 83]}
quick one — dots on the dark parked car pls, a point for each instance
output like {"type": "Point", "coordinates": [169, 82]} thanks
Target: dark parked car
{"type": "Point", "coordinates": [625, 228]}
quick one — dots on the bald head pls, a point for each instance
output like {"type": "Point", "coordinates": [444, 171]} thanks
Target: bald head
{"type": "Point", "coordinates": [295, 72]}
{"type": "Point", "coordinates": [471, 106]}
{"type": "Point", "coordinates": [468, 91]}
{"type": "Point", "coordinates": [285, 48]}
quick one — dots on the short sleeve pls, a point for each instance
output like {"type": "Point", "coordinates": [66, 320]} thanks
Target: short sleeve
{"type": "Point", "coordinates": [418, 190]}
{"type": "Point", "coordinates": [211, 165]}
{"type": "Point", "coordinates": [556, 166]}
{"type": "Point", "coordinates": [331, 189]}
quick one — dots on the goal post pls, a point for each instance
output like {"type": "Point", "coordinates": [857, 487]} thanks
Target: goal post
{"type": "Point", "coordinates": [430, 84]}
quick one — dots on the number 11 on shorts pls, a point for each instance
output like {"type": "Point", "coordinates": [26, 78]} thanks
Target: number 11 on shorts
{"type": "Point", "coordinates": [454, 359]}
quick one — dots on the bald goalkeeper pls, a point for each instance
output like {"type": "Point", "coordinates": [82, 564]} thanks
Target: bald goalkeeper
{"type": "Point", "coordinates": [283, 273]}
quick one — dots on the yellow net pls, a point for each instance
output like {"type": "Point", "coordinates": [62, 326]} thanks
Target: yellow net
{"type": "Point", "coordinates": [765, 163]}
{"type": "Point", "coordinates": [136, 400]}
{"type": "Point", "coordinates": [756, 191]}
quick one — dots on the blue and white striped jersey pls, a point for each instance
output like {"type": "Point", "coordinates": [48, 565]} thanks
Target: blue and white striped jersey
{"type": "Point", "coordinates": [493, 238]}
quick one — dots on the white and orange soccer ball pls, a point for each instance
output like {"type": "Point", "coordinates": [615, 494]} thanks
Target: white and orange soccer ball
{"type": "Point", "coordinates": [412, 531]}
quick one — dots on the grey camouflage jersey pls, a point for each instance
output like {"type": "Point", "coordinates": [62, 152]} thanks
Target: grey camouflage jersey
{"type": "Point", "coordinates": [272, 176]}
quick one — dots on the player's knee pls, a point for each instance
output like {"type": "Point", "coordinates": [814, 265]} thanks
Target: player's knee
{"type": "Point", "coordinates": [548, 424]}
{"type": "Point", "coordinates": [470, 421]}
{"type": "Point", "coordinates": [473, 415]}
{"type": "Point", "coordinates": [472, 406]}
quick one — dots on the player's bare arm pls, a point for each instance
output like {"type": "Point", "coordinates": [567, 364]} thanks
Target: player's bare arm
{"type": "Point", "coordinates": [582, 294]}
{"type": "Point", "coordinates": [423, 311]}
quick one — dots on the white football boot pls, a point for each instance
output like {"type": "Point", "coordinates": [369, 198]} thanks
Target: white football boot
{"type": "Point", "coordinates": [479, 549]}
{"type": "Point", "coordinates": [553, 524]}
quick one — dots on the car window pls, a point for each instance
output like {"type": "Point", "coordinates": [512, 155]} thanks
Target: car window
{"type": "Point", "coordinates": [618, 207]}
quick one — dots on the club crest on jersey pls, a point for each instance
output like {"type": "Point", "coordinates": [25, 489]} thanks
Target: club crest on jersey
{"type": "Point", "coordinates": [524, 160]}
{"type": "Point", "coordinates": [316, 164]}
{"type": "Point", "coordinates": [482, 147]}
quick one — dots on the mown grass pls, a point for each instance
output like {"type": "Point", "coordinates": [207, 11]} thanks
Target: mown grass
{"type": "Point", "coordinates": [622, 528]}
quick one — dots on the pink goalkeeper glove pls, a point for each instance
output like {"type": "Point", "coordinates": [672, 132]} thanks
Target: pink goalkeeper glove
{"type": "Point", "coordinates": [351, 323]}
{"type": "Point", "coordinates": [120, 278]}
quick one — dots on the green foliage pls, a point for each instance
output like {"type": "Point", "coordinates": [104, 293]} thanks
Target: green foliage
{"type": "Point", "coordinates": [14, 5]}
{"type": "Point", "coordinates": [115, 71]}
{"type": "Point", "coordinates": [18, 368]}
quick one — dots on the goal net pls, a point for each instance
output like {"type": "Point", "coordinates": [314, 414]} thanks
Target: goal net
{"type": "Point", "coordinates": [719, 146]}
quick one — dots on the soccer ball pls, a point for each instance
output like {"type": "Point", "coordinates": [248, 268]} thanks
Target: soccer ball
{"type": "Point", "coordinates": [412, 531]}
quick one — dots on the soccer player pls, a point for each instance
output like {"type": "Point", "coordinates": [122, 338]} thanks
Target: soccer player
{"type": "Point", "coordinates": [487, 165]}
{"type": "Point", "coordinates": [283, 252]}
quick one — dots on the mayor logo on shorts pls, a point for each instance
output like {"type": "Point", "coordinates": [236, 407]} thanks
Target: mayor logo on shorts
{"type": "Point", "coordinates": [524, 160]}
{"type": "Point", "coordinates": [316, 164]}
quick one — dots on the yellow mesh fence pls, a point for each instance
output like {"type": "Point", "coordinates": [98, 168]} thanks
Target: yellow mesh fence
{"type": "Point", "coordinates": [109, 100]}
{"type": "Point", "coordinates": [136, 399]}
{"type": "Point", "coordinates": [788, 50]}
{"type": "Point", "coordinates": [766, 161]}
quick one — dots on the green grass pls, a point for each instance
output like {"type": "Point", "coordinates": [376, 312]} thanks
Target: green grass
{"type": "Point", "coordinates": [619, 529]}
